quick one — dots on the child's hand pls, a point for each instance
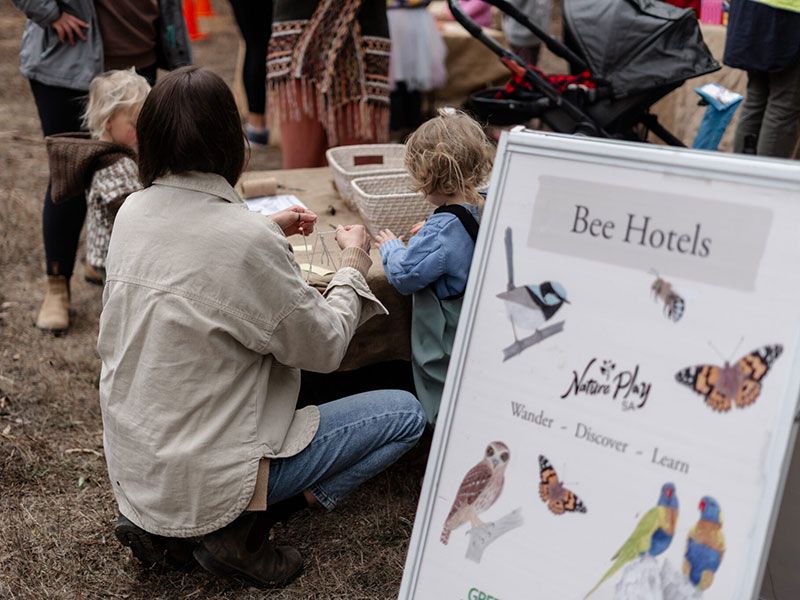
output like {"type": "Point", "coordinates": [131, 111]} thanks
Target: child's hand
{"type": "Point", "coordinates": [415, 228]}
{"type": "Point", "coordinates": [295, 219]}
{"type": "Point", "coordinates": [384, 235]}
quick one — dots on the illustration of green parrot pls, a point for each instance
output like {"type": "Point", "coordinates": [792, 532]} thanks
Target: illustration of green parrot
{"type": "Point", "coordinates": [652, 535]}
{"type": "Point", "coordinates": [705, 545]}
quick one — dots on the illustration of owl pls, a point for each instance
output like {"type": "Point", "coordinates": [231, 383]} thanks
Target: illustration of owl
{"type": "Point", "coordinates": [479, 489]}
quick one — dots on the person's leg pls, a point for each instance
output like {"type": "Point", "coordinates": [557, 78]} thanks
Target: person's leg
{"type": "Point", "coordinates": [778, 135]}
{"type": "Point", "coordinates": [753, 106]}
{"type": "Point", "coordinates": [530, 54]}
{"type": "Point", "coordinates": [414, 110]}
{"type": "Point", "coordinates": [254, 19]}
{"type": "Point", "coordinates": [397, 110]}
{"type": "Point", "coordinates": [60, 111]}
{"type": "Point", "coordinates": [358, 437]}
{"type": "Point", "coordinates": [303, 141]}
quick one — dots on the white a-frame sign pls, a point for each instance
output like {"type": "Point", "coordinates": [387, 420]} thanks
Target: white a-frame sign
{"type": "Point", "coordinates": [620, 407]}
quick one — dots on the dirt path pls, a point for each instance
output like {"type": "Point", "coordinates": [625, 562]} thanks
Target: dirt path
{"type": "Point", "coordinates": [56, 508]}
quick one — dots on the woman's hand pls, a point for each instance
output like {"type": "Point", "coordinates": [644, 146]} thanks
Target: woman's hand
{"type": "Point", "coordinates": [68, 27]}
{"type": "Point", "coordinates": [384, 235]}
{"type": "Point", "coordinates": [353, 236]}
{"type": "Point", "coordinates": [295, 219]}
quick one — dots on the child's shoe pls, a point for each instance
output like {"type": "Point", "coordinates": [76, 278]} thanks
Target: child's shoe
{"type": "Point", "coordinates": [94, 275]}
{"type": "Point", "coordinates": [257, 137]}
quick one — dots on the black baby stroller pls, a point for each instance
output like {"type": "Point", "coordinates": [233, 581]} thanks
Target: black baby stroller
{"type": "Point", "coordinates": [624, 55]}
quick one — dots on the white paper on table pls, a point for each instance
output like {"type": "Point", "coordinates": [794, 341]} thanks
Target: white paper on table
{"type": "Point", "coordinates": [269, 205]}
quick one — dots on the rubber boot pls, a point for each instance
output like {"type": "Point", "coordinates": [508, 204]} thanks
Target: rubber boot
{"type": "Point", "coordinates": [226, 552]}
{"type": "Point", "coordinates": [54, 314]}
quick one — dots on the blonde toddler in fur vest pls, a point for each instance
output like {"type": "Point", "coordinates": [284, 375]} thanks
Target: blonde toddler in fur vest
{"type": "Point", "coordinates": [101, 164]}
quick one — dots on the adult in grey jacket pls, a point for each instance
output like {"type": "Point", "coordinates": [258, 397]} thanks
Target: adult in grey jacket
{"type": "Point", "coordinates": [62, 51]}
{"type": "Point", "coordinates": [207, 322]}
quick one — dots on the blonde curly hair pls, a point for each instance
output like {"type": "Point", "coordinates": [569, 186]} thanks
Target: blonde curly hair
{"type": "Point", "coordinates": [110, 92]}
{"type": "Point", "coordinates": [449, 154]}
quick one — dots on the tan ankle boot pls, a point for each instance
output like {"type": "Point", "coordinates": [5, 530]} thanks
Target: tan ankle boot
{"type": "Point", "coordinates": [54, 314]}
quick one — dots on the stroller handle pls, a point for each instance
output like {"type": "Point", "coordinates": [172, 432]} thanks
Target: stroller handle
{"type": "Point", "coordinates": [517, 66]}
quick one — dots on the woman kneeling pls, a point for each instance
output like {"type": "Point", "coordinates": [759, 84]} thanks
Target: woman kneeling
{"type": "Point", "coordinates": [206, 324]}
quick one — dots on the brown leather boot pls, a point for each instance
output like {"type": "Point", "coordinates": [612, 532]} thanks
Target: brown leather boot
{"type": "Point", "coordinates": [54, 314]}
{"type": "Point", "coordinates": [155, 551]}
{"type": "Point", "coordinates": [226, 552]}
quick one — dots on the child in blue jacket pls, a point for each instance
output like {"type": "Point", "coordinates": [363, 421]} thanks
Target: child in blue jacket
{"type": "Point", "coordinates": [448, 159]}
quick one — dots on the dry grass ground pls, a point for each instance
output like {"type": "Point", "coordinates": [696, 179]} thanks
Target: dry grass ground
{"type": "Point", "coordinates": [56, 508]}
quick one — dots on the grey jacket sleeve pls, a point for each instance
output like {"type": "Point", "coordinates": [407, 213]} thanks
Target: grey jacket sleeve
{"type": "Point", "coordinates": [41, 12]}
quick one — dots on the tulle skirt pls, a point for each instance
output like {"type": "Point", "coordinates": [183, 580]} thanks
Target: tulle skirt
{"type": "Point", "coordinates": [418, 52]}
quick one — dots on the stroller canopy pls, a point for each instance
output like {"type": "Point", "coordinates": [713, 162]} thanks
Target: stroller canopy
{"type": "Point", "coordinates": [637, 45]}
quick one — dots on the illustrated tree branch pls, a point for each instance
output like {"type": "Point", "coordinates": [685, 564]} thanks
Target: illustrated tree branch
{"type": "Point", "coordinates": [482, 536]}
{"type": "Point", "coordinates": [534, 338]}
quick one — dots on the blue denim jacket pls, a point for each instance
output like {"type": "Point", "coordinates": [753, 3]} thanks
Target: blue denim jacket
{"type": "Point", "coordinates": [440, 254]}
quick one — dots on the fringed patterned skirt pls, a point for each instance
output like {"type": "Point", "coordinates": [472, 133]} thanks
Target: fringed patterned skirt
{"type": "Point", "coordinates": [329, 61]}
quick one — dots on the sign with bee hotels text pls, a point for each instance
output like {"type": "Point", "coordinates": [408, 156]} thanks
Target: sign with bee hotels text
{"type": "Point", "coordinates": [619, 415]}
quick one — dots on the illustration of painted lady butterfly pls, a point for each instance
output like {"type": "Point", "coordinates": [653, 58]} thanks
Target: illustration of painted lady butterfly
{"type": "Point", "coordinates": [737, 384]}
{"type": "Point", "coordinates": [558, 498]}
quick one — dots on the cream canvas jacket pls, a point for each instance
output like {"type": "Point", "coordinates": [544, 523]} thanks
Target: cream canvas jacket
{"type": "Point", "coordinates": [206, 324]}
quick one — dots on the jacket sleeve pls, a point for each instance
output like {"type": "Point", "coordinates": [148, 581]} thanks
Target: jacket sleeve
{"type": "Point", "coordinates": [423, 262]}
{"type": "Point", "coordinates": [314, 332]}
{"type": "Point", "coordinates": [41, 12]}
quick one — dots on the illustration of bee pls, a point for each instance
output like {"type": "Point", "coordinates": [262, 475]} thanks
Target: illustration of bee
{"type": "Point", "coordinates": [674, 304]}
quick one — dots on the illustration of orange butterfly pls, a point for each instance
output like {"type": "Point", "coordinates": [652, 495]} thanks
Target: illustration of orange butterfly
{"type": "Point", "coordinates": [558, 498]}
{"type": "Point", "coordinates": [737, 384]}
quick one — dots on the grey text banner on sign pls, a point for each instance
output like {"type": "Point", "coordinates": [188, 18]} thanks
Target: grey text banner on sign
{"type": "Point", "coordinates": [714, 242]}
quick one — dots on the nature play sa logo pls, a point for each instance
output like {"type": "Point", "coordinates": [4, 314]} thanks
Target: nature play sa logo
{"type": "Point", "coordinates": [606, 379]}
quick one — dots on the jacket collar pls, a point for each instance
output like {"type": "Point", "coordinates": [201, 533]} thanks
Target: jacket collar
{"type": "Point", "coordinates": [209, 183]}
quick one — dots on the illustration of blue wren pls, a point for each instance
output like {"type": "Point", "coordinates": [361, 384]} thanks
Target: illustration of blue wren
{"type": "Point", "coordinates": [529, 306]}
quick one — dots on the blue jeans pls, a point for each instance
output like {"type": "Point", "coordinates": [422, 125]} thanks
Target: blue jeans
{"type": "Point", "coordinates": [358, 437]}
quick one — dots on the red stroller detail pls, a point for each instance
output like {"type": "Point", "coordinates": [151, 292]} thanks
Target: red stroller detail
{"type": "Point", "coordinates": [624, 56]}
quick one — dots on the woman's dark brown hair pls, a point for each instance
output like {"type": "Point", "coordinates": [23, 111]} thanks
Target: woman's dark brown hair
{"type": "Point", "coordinates": [190, 122]}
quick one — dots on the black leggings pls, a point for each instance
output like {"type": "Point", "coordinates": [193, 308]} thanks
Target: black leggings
{"type": "Point", "coordinates": [254, 18]}
{"type": "Point", "coordinates": [60, 111]}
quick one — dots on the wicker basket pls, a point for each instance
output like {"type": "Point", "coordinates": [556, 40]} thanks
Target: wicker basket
{"type": "Point", "coordinates": [387, 202]}
{"type": "Point", "coordinates": [349, 162]}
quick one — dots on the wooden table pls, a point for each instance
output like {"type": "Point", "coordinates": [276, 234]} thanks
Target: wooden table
{"type": "Point", "coordinates": [382, 338]}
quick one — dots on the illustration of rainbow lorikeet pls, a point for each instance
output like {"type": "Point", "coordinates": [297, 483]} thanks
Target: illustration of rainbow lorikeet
{"type": "Point", "coordinates": [652, 535]}
{"type": "Point", "coordinates": [705, 545]}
